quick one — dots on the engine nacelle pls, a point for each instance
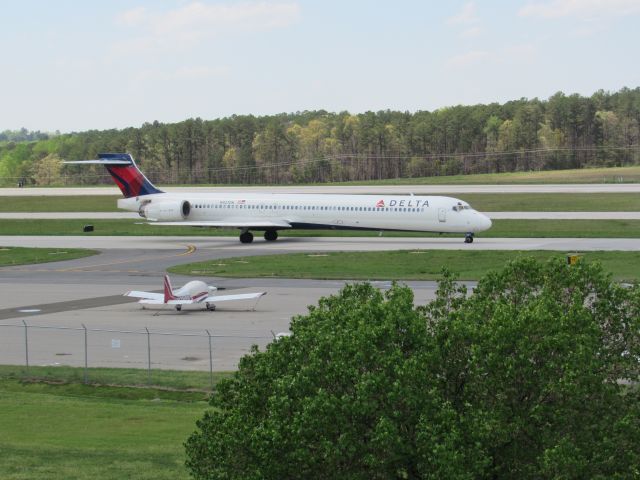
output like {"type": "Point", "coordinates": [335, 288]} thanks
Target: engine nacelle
{"type": "Point", "coordinates": [166, 211]}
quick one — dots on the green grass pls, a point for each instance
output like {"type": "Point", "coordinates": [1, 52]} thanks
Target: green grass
{"type": "Point", "coordinates": [23, 256]}
{"type": "Point", "coordinates": [583, 175]}
{"type": "Point", "coordinates": [53, 203]}
{"type": "Point", "coordinates": [488, 202]}
{"type": "Point", "coordinates": [395, 265]}
{"type": "Point", "coordinates": [55, 435]}
{"type": "Point", "coordinates": [52, 426]}
{"type": "Point", "coordinates": [172, 380]}
{"type": "Point", "coordinates": [552, 202]}
{"type": "Point", "coordinates": [501, 228]}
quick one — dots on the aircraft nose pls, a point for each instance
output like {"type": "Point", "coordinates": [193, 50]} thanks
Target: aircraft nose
{"type": "Point", "coordinates": [485, 222]}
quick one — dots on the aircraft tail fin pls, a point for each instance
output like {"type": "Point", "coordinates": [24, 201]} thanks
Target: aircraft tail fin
{"type": "Point", "coordinates": [168, 291]}
{"type": "Point", "coordinates": [125, 173]}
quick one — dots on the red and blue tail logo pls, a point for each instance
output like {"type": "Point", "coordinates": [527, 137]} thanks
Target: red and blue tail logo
{"type": "Point", "coordinates": [125, 173]}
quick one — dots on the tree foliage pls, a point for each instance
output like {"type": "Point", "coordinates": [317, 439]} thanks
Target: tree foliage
{"type": "Point", "coordinates": [533, 375]}
{"type": "Point", "coordinates": [561, 132]}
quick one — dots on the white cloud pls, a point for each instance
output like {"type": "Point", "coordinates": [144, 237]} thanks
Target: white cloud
{"type": "Point", "coordinates": [507, 55]}
{"type": "Point", "coordinates": [200, 72]}
{"type": "Point", "coordinates": [466, 16]}
{"type": "Point", "coordinates": [467, 59]}
{"type": "Point", "coordinates": [196, 21]}
{"type": "Point", "coordinates": [580, 8]}
{"type": "Point", "coordinates": [133, 17]}
{"type": "Point", "coordinates": [471, 32]}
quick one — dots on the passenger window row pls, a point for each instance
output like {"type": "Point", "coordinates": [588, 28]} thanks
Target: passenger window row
{"type": "Point", "coordinates": [310, 207]}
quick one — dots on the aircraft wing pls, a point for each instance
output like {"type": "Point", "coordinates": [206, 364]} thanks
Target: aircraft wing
{"type": "Point", "coordinates": [237, 296]}
{"type": "Point", "coordinates": [145, 295]}
{"type": "Point", "coordinates": [227, 224]}
{"type": "Point", "coordinates": [160, 301]}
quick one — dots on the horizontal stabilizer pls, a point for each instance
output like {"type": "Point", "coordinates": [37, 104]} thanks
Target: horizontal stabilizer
{"type": "Point", "coordinates": [102, 161]}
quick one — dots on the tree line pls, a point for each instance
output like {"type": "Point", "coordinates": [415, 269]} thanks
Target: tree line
{"type": "Point", "coordinates": [565, 131]}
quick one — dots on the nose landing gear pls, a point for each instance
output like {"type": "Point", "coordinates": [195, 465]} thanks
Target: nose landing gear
{"type": "Point", "coordinates": [468, 238]}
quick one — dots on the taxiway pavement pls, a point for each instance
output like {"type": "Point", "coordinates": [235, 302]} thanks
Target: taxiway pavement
{"type": "Point", "coordinates": [87, 293]}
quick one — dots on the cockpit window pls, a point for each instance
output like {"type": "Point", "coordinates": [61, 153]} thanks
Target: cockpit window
{"type": "Point", "coordinates": [461, 206]}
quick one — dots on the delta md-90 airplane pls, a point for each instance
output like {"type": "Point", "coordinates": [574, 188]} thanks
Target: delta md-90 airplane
{"type": "Point", "coordinates": [270, 212]}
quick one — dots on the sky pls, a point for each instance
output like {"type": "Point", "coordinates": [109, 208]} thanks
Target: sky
{"type": "Point", "coordinates": [71, 65]}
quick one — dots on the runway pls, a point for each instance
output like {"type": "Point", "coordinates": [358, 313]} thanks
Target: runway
{"type": "Point", "coordinates": [87, 293]}
{"type": "Point", "coordinates": [231, 246]}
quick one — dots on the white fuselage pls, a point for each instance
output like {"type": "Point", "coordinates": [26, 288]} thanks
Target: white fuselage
{"type": "Point", "coordinates": [195, 290]}
{"type": "Point", "coordinates": [370, 212]}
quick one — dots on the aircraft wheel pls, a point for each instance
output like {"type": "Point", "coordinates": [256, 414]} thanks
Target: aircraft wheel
{"type": "Point", "coordinates": [270, 235]}
{"type": "Point", "coordinates": [468, 239]}
{"type": "Point", "coordinates": [211, 307]}
{"type": "Point", "coordinates": [246, 237]}
{"type": "Point", "coordinates": [178, 307]}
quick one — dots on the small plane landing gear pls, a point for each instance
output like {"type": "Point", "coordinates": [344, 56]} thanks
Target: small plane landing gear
{"type": "Point", "coordinates": [270, 235]}
{"type": "Point", "coordinates": [178, 307]}
{"type": "Point", "coordinates": [468, 238]}
{"type": "Point", "coordinates": [210, 306]}
{"type": "Point", "coordinates": [246, 237]}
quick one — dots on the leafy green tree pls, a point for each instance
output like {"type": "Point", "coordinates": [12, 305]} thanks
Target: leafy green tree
{"type": "Point", "coordinates": [531, 376]}
{"type": "Point", "coordinates": [539, 359]}
{"type": "Point", "coordinates": [47, 171]}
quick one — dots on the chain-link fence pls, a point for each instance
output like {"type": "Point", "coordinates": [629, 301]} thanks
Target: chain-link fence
{"type": "Point", "coordinates": [32, 345]}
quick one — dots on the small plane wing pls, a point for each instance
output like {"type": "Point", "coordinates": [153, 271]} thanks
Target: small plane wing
{"type": "Point", "coordinates": [237, 296]}
{"type": "Point", "coordinates": [227, 224]}
{"type": "Point", "coordinates": [145, 295]}
{"type": "Point", "coordinates": [160, 301]}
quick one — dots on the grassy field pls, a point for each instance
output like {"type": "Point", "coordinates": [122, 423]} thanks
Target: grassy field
{"type": "Point", "coordinates": [583, 175]}
{"type": "Point", "coordinates": [122, 377]}
{"type": "Point", "coordinates": [487, 202]}
{"type": "Point", "coordinates": [23, 256]}
{"type": "Point", "coordinates": [74, 431]}
{"type": "Point", "coordinates": [500, 228]}
{"type": "Point", "coordinates": [552, 202]}
{"type": "Point", "coordinates": [71, 203]}
{"type": "Point", "coordinates": [396, 265]}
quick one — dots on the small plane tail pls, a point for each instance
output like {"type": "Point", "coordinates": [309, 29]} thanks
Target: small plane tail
{"type": "Point", "coordinates": [168, 291]}
{"type": "Point", "coordinates": [125, 173]}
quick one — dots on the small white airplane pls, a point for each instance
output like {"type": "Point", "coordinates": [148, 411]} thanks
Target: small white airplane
{"type": "Point", "coordinates": [194, 292]}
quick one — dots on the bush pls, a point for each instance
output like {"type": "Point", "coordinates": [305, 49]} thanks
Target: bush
{"type": "Point", "coordinates": [528, 377]}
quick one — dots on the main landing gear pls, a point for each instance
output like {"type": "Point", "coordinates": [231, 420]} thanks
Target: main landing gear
{"type": "Point", "coordinates": [468, 238]}
{"type": "Point", "coordinates": [246, 237]}
{"type": "Point", "coordinates": [178, 308]}
{"type": "Point", "coordinates": [210, 306]}
{"type": "Point", "coordinates": [269, 235]}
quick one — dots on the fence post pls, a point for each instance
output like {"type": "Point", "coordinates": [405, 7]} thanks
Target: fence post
{"type": "Point", "coordinates": [86, 363]}
{"type": "Point", "coordinates": [26, 344]}
{"type": "Point", "coordinates": [210, 360]}
{"type": "Point", "coordinates": [148, 355]}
